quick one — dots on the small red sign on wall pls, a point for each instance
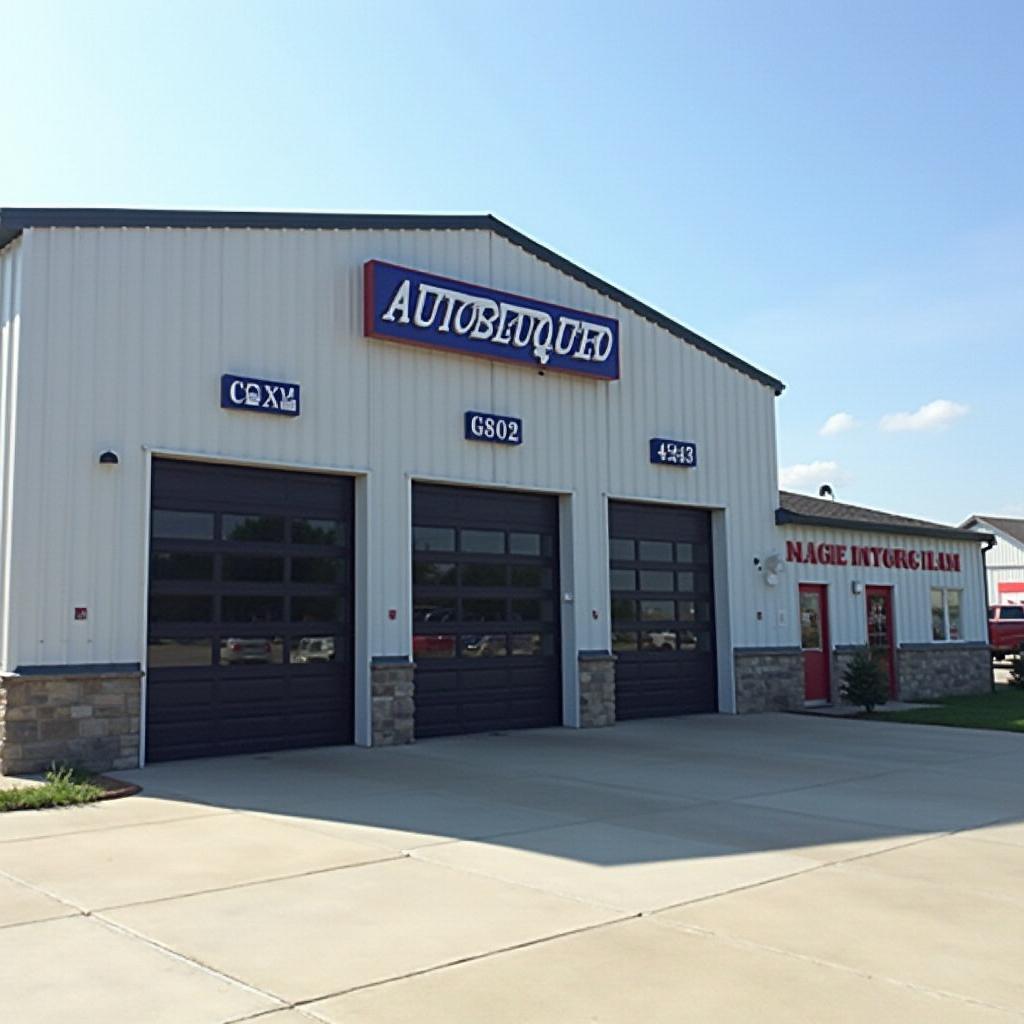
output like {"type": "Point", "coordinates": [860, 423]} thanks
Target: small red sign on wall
{"type": "Point", "coordinates": [81, 614]}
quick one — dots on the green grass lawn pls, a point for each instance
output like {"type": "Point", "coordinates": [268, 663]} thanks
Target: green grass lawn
{"type": "Point", "coordinates": [1003, 709]}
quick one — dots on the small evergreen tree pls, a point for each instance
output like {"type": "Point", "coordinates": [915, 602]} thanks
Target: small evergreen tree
{"type": "Point", "coordinates": [1016, 679]}
{"type": "Point", "coordinates": [864, 682]}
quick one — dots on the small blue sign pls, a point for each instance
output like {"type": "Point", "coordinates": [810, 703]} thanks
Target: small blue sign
{"type": "Point", "coordinates": [422, 309]}
{"type": "Point", "coordinates": [486, 426]}
{"type": "Point", "coordinates": [673, 453]}
{"type": "Point", "coordinates": [255, 395]}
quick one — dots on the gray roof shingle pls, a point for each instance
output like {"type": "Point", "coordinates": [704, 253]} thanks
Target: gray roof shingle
{"type": "Point", "coordinates": [1011, 527]}
{"type": "Point", "coordinates": [804, 510]}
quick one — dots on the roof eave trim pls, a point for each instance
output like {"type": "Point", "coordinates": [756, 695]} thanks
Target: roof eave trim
{"type": "Point", "coordinates": [783, 517]}
{"type": "Point", "coordinates": [8, 236]}
{"type": "Point", "coordinates": [15, 219]}
{"type": "Point", "coordinates": [996, 532]}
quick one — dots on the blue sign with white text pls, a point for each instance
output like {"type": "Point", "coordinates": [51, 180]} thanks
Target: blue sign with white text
{"type": "Point", "coordinates": [255, 395]}
{"type": "Point", "coordinates": [422, 309]}
{"type": "Point", "coordinates": [673, 453]}
{"type": "Point", "coordinates": [486, 426]}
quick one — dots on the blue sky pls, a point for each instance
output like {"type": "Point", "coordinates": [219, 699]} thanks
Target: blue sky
{"type": "Point", "coordinates": [834, 191]}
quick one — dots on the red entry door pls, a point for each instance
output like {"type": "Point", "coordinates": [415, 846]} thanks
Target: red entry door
{"type": "Point", "coordinates": [881, 635]}
{"type": "Point", "coordinates": [814, 641]}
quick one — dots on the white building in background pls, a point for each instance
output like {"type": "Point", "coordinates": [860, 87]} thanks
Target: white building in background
{"type": "Point", "coordinates": [275, 480]}
{"type": "Point", "coordinates": [1004, 564]}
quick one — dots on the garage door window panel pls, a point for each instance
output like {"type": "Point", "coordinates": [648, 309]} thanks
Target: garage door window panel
{"type": "Point", "coordinates": [532, 545]}
{"type": "Point", "coordinates": [181, 565]}
{"type": "Point", "coordinates": [252, 608]}
{"type": "Point", "coordinates": [530, 577]}
{"type": "Point", "coordinates": [252, 569]}
{"type": "Point", "coordinates": [484, 609]}
{"type": "Point", "coordinates": [321, 532]}
{"type": "Point", "coordinates": [482, 542]}
{"type": "Point", "coordinates": [174, 524]}
{"type": "Point", "coordinates": [318, 570]}
{"type": "Point", "coordinates": [251, 650]}
{"type": "Point", "coordinates": [180, 652]}
{"type": "Point", "coordinates": [484, 574]}
{"type": "Point", "coordinates": [434, 574]}
{"type": "Point", "coordinates": [316, 649]}
{"type": "Point", "coordinates": [181, 608]}
{"type": "Point", "coordinates": [625, 641]}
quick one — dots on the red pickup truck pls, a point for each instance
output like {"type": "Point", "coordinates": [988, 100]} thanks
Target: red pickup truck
{"type": "Point", "coordinates": [1006, 629]}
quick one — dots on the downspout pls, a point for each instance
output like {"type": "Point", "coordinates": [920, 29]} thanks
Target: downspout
{"type": "Point", "coordinates": [988, 546]}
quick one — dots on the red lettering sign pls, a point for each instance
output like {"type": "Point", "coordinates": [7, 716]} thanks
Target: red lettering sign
{"type": "Point", "coordinates": [867, 557]}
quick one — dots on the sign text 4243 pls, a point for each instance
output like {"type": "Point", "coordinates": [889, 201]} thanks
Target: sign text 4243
{"type": "Point", "coordinates": [673, 453]}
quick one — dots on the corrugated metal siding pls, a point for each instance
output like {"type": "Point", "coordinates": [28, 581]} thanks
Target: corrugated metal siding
{"type": "Point", "coordinates": [1004, 563]}
{"type": "Point", "coordinates": [1005, 555]}
{"type": "Point", "coordinates": [11, 261]}
{"type": "Point", "coordinates": [131, 330]}
{"type": "Point", "coordinates": [911, 589]}
{"type": "Point", "coordinates": [997, 576]}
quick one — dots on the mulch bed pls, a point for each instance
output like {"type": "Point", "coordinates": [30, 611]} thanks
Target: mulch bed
{"type": "Point", "coordinates": [114, 789]}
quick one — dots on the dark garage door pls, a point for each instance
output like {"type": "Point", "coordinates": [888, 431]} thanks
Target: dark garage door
{"type": "Point", "coordinates": [663, 613]}
{"type": "Point", "coordinates": [250, 611]}
{"type": "Point", "coordinates": [485, 610]}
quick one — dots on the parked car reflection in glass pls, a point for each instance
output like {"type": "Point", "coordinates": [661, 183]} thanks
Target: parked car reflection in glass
{"type": "Point", "coordinates": [311, 649]}
{"type": "Point", "coordinates": [434, 645]}
{"type": "Point", "coordinates": [246, 650]}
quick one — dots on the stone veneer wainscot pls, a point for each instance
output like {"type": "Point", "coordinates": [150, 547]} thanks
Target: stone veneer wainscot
{"type": "Point", "coordinates": [769, 679]}
{"type": "Point", "coordinates": [926, 671]}
{"type": "Point", "coordinates": [597, 688]}
{"type": "Point", "coordinates": [394, 701]}
{"type": "Point", "coordinates": [87, 719]}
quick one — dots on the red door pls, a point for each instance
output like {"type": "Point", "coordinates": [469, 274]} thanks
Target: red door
{"type": "Point", "coordinates": [814, 641]}
{"type": "Point", "coordinates": [881, 635]}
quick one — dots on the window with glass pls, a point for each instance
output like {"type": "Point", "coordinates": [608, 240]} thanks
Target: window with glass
{"type": "Point", "coordinates": [946, 614]}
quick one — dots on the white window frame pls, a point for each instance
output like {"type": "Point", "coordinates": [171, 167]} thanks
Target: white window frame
{"type": "Point", "coordinates": [945, 592]}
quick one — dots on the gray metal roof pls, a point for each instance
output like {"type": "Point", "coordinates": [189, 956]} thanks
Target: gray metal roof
{"type": "Point", "coordinates": [14, 220]}
{"type": "Point", "coordinates": [804, 510]}
{"type": "Point", "coordinates": [1013, 528]}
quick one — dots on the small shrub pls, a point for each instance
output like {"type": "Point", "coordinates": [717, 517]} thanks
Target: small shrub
{"type": "Point", "coordinates": [1016, 678]}
{"type": "Point", "coordinates": [64, 786]}
{"type": "Point", "coordinates": [864, 681]}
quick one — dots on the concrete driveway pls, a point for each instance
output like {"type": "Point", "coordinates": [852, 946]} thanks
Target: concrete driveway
{"type": "Point", "coordinates": [767, 868]}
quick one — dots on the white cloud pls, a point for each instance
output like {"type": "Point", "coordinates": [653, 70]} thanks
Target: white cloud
{"type": "Point", "coordinates": [933, 416]}
{"type": "Point", "coordinates": [812, 475]}
{"type": "Point", "coordinates": [837, 423]}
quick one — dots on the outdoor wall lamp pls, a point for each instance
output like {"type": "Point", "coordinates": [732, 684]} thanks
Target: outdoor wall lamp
{"type": "Point", "coordinates": [109, 458]}
{"type": "Point", "coordinates": [772, 567]}
{"type": "Point", "coordinates": [857, 587]}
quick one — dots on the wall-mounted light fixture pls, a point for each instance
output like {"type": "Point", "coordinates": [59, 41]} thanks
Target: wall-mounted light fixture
{"type": "Point", "coordinates": [109, 458]}
{"type": "Point", "coordinates": [857, 587]}
{"type": "Point", "coordinates": [772, 567]}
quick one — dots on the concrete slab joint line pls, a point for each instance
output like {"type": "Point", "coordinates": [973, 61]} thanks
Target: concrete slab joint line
{"type": "Point", "coordinates": [769, 680]}
{"type": "Point", "coordinates": [393, 703]}
{"type": "Point", "coordinates": [88, 720]}
{"type": "Point", "coordinates": [597, 689]}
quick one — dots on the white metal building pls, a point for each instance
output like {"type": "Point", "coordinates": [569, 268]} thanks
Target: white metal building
{"type": "Point", "coordinates": [1005, 562]}
{"type": "Point", "coordinates": [283, 479]}
{"type": "Point", "coordinates": [911, 590]}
